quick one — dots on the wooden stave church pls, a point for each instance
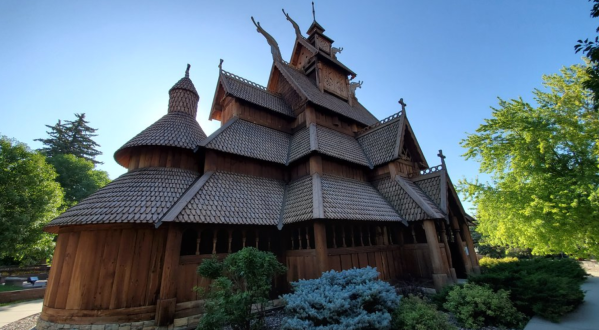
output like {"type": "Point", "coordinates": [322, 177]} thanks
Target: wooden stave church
{"type": "Point", "coordinates": [299, 168]}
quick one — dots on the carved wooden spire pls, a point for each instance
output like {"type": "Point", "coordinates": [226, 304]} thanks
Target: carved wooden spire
{"type": "Point", "coordinates": [274, 46]}
{"type": "Point", "coordinates": [298, 33]}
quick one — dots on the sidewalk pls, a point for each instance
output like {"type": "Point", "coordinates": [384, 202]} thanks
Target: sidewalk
{"type": "Point", "coordinates": [585, 317]}
{"type": "Point", "coordinates": [15, 312]}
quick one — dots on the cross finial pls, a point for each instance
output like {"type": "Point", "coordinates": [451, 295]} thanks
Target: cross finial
{"type": "Point", "coordinates": [313, 12]}
{"type": "Point", "coordinates": [440, 154]}
{"type": "Point", "coordinates": [220, 64]}
{"type": "Point", "coordinates": [403, 104]}
{"type": "Point", "coordinates": [187, 71]}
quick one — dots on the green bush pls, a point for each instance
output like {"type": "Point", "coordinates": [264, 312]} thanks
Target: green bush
{"type": "Point", "coordinates": [476, 306]}
{"type": "Point", "coordinates": [488, 262]}
{"type": "Point", "coordinates": [414, 313]}
{"type": "Point", "coordinates": [545, 287]}
{"type": "Point", "coordinates": [241, 280]}
{"type": "Point", "coordinates": [440, 297]}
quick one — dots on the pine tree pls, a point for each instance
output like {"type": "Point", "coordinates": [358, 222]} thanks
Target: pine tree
{"type": "Point", "coordinates": [73, 137]}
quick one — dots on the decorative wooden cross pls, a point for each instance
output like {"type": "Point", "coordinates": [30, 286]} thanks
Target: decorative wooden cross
{"type": "Point", "coordinates": [220, 65]}
{"type": "Point", "coordinates": [313, 12]}
{"type": "Point", "coordinates": [440, 154]}
{"type": "Point", "coordinates": [403, 104]}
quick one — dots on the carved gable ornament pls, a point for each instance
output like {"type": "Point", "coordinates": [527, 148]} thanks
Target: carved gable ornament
{"type": "Point", "coordinates": [335, 82]}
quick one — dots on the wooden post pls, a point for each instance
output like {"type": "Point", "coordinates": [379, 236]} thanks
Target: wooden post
{"type": "Point", "coordinates": [471, 251]}
{"type": "Point", "coordinates": [452, 273]}
{"type": "Point", "coordinates": [167, 299]}
{"type": "Point", "coordinates": [460, 243]}
{"type": "Point", "coordinates": [320, 245]}
{"type": "Point", "coordinates": [439, 271]}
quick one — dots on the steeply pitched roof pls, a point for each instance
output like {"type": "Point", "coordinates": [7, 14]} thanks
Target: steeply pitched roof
{"type": "Point", "coordinates": [175, 129]}
{"type": "Point", "coordinates": [298, 201]}
{"type": "Point", "coordinates": [243, 138]}
{"type": "Point", "coordinates": [139, 196]}
{"type": "Point", "coordinates": [339, 145]}
{"type": "Point", "coordinates": [247, 139]}
{"type": "Point", "coordinates": [434, 183]}
{"type": "Point", "coordinates": [405, 197]}
{"type": "Point", "coordinates": [354, 200]}
{"type": "Point", "coordinates": [381, 144]}
{"type": "Point", "coordinates": [304, 86]}
{"type": "Point", "coordinates": [230, 198]}
{"type": "Point", "coordinates": [254, 93]}
{"type": "Point", "coordinates": [300, 144]}
{"type": "Point", "coordinates": [186, 84]}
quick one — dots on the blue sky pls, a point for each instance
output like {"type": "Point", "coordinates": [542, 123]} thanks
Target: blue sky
{"type": "Point", "coordinates": [116, 60]}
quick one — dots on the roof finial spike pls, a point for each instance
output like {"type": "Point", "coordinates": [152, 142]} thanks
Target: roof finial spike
{"type": "Point", "coordinates": [313, 12]}
{"type": "Point", "coordinates": [440, 154]}
{"type": "Point", "coordinates": [187, 71]}
{"type": "Point", "coordinates": [220, 64]}
{"type": "Point", "coordinates": [403, 105]}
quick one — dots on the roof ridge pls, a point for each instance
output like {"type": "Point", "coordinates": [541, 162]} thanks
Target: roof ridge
{"type": "Point", "coordinates": [249, 83]}
{"type": "Point", "coordinates": [185, 198]}
{"type": "Point", "coordinates": [383, 122]}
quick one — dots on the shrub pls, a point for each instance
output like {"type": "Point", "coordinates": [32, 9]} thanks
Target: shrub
{"type": "Point", "coordinates": [545, 287]}
{"type": "Point", "coordinates": [241, 280]}
{"type": "Point", "coordinates": [476, 306]}
{"type": "Point", "coordinates": [440, 298]}
{"type": "Point", "coordinates": [488, 262]}
{"type": "Point", "coordinates": [414, 313]}
{"type": "Point", "coordinates": [350, 299]}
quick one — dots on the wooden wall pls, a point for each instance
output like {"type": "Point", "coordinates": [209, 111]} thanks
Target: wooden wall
{"type": "Point", "coordinates": [218, 161]}
{"type": "Point", "coordinates": [255, 114]}
{"type": "Point", "coordinates": [111, 267]}
{"type": "Point", "coordinates": [335, 167]}
{"type": "Point", "coordinates": [140, 157]}
{"type": "Point", "coordinates": [301, 264]}
{"type": "Point", "coordinates": [387, 259]}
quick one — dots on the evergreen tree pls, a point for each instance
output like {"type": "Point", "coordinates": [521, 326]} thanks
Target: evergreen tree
{"type": "Point", "coordinates": [72, 137]}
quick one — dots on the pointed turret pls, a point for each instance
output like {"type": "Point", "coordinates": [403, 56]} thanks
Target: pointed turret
{"type": "Point", "coordinates": [178, 128]}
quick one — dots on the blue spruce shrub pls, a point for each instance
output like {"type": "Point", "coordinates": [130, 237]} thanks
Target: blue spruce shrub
{"type": "Point", "coordinates": [350, 299]}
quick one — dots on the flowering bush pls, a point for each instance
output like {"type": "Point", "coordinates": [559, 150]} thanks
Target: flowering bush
{"type": "Point", "coordinates": [350, 299]}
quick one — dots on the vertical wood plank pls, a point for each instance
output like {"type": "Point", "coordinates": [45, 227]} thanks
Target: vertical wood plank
{"type": "Point", "coordinates": [120, 287]}
{"type": "Point", "coordinates": [67, 271]}
{"type": "Point", "coordinates": [141, 264]}
{"type": "Point", "coordinates": [56, 269]}
{"type": "Point", "coordinates": [82, 266]}
{"type": "Point", "coordinates": [107, 270]}
{"type": "Point", "coordinates": [155, 272]}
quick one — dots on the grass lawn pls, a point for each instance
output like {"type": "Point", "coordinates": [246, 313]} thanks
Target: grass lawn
{"type": "Point", "coordinates": [5, 287]}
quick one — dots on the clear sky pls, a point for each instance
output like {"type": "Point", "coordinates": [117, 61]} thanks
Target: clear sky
{"type": "Point", "coordinates": [116, 60]}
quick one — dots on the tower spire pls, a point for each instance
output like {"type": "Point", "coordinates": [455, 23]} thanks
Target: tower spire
{"type": "Point", "coordinates": [187, 71]}
{"type": "Point", "coordinates": [313, 12]}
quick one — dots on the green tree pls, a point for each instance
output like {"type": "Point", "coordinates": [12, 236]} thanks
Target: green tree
{"type": "Point", "coordinates": [542, 161]}
{"type": "Point", "coordinates": [73, 137]}
{"type": "Point", "coordinates": [77, 177]}
{"type": "Point", "coordinates": [29, 199]}
{"type": "Point", "coordinates": [590, 49]}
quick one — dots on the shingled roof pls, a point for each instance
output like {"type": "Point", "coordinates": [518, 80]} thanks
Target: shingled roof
{"type": "Point", "coordinates": [381, 144]}
{"type": "Point", "coordinates": [247, 139]}
{"type": "Point", "coordinates": [254, 93]}
{"type": "Point", "coordinates": [175, 129]}
{"type": "Point", "coordinates": [139, 196]}
{"type": "Point", "coordinates": [243, 138]}
{"type": "Point", "coordinates": [305, 87]}
{"type": "Point", "coordinates": [298, 201]}
{"type": "Point", "coordinates": [349, 199]}
{"type": "Point", "coordinates": [230, 198]}
{"type": "Point", "coordinates": [405, 197]}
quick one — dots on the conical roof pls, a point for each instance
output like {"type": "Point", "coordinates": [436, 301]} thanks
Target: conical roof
{"type": "Point", "coordinates": [178, 128]}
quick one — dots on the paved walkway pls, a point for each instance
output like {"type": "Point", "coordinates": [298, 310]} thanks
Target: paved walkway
{"type": "Point", "coordinates": [585, 317]}
{"type": "Point", "coordinates": [15, 312]}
